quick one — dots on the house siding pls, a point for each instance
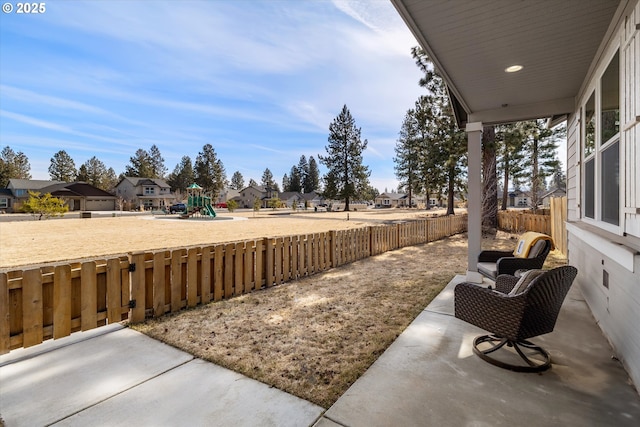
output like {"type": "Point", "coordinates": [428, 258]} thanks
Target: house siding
{"type": "Point", "coordinates": [602, 256]}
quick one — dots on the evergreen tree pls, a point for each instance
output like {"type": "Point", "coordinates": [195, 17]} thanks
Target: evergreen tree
{"type": "Point", "coordinates": [443, 133]}
{"type": "Point", "coordinates": [510, 141]}
{"type": "Point", "coordinates": [489, 181]}
{"type": "Point", "coordinates": [62, 167]}
{"type": "Point", "coordinates": [210, 173]}
{"type": "Point", "coordinates": [94, 172]}
{"type": "Point", "coordinates": [110, 181]}
{"type": "Point", "coordinates": [13, 165]}
{"type": "Point", "coordinates": [286, 183]}
{"type": "Point", "coordinates": [237, 181]}
{"type": "Point", "coordinates": [182, 176]}
{"type": "Point", "coordinates": [252, 182]}
{"type": "Point", "coordinates": [267, 178]}
{"type": "Point", "coordinates": [141, 165]}
{"type": "Point", "coordinates": [347, 177]}
{"type": "Point", "coordinates": [407, 151]}
{"type": "Point", "coordinates": [312, 182]}
{"type": "Point", "coordinates": [158, 170]}
{"type": "Point", "coordinates": [303, 171]}
{"type": "Point", "coordinates": [295, 180]}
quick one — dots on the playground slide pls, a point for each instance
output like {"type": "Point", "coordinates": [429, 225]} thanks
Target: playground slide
{"type": "Point", "coordinates": [209, 209]}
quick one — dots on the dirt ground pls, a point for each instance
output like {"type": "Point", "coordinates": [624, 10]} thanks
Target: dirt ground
{"type": "Point", "coordinates": [35, 242]}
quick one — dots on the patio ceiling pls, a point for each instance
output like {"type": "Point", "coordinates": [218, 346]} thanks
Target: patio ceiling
{"type": "Point", "coordinates": [473, 42]}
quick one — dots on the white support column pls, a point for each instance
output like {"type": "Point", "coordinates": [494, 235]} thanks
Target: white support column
{"type": "Point", "coordinates": [474, 209]}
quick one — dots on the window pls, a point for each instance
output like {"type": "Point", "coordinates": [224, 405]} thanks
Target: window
{"type": "Point", "coordinates": [149, 191]}
{"type": "Point", "coordinates": [4, 202]}
{"type": "Point", "coordinates": [601, 148]}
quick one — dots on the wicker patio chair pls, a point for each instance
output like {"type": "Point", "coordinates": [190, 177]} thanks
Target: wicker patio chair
{"type": "Point", "coordinates": [494, 263]}
{"type": "Point", "coordinates": [517, 310]}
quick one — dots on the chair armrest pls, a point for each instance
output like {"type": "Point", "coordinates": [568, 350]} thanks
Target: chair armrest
{"type": "Point", "coordinates": [489, 310]}
{"type": "Point", "coordinates": [512, 264]}
{"type": "Point", "coordinates": [493, 256]}
{"type": "Point", "coordinates": [505, 283]}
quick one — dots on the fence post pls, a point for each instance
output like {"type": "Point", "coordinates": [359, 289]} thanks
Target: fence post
{"type": "Point", "coordinates": [137, 280]}
{"type": "Point", "coordinates": [5, 325]}
{"type": "Point", "coordinates": [89, 297]}
{"type": "Point", "coordinates": [62, 300]}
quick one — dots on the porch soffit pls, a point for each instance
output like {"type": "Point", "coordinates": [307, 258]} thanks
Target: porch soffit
{"type": "Point", "coordinates": [472, 42]}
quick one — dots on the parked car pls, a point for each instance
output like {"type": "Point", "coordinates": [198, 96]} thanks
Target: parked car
{"type": "Point", "coordinates": [178, 207]}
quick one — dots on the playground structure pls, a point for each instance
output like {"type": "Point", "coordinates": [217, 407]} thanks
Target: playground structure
{"type": "Point", "coordinates": [198, 205]}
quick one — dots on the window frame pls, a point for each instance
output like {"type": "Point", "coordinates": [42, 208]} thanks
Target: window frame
{"type": "Point", "coordinates": [597, 152]}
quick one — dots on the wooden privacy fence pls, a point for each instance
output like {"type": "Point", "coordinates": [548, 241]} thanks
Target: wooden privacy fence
{"type": "Point", "coordinates": [553, 224]}
{"type": "Point", "coordinates": [54, 301]}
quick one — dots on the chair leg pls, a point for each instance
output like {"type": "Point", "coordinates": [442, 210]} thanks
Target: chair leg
{"type": "Point", "coordinates": [497, 343]}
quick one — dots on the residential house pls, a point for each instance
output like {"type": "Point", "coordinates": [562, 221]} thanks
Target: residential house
{"type": "Point", "coordinates": [144, 193]}
{"type": "Point", "coordinates": [6, 200]}
{"type": "Point", "coordinates": [573, 61]}
{"type": "Point", "coordinates": [250, 194]}
{"type": "Point", "coordinates": [314, 200]}
{"type": "Point", "coordinates": [556, 192]}
{"type": "Point", "coordinates": [80, 196]}
{"type": "Point", "coordinates": [228, 194]}
{"type": "Point", "coordinates": [19, 190]}
{"type": "Point", "coordinates": [292, 198]}
{"type": "Point", "coordinates": [390, 200]}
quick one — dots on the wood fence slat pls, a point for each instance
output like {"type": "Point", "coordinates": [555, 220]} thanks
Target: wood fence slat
{"type": "Point", "coordinates": [5, 324]}
{"type": "Point", "coordinates": [205, 275]}
{"type": "Point", "coordinates": [259, 264]}
{"type": "Point", "coordinates": [32, 333]}
{"type": "Point", "coordinates": [295, 254]}
{"type": "Point", "coordinates": [218, 273]}
{"type": "Point", "coordinates": [176, 280]}
{"type": "Point", "coordinates": [228, 270]}
{"type": "Point", "coordinates": [114, 303]}
{"type": "Point", "coordinates": [159, 283]}
{"type": "Point", "coordinates": [136, 314]}
{"type": "Point", "coordinates": [286, 259]}
{"type": "Point", "coordinates": [268, 262]}
{"type": "Point", "coordinates": [278, 260]}
{"type": "Point", "coordinates": [238, 273]}
{"type": "Point", "coordinates": [62, 301]}
{"type": "Point", "coordinates": [88, 296]}
{"type": "Point", "coordinates": [249, 265]}
{"type": "Point", "coordinates": [192, 277]}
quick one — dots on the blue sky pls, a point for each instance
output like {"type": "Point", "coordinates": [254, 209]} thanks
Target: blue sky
{"type": "Point", "coordinates": [259, 81]}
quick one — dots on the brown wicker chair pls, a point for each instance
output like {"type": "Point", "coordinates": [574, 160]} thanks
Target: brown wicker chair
{"type": "Point", "coordinates": [494, 263]}
{"type": "Point", "coordinates": [513, 314]}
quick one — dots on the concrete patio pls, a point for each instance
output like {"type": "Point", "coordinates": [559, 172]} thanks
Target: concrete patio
{"type": "Point", "coordinates": [428, 376]}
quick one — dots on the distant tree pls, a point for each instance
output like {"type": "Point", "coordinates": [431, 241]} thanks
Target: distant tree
{"type": "Point", "coordinates": [295, 180]}
{"type": "Point", "coordinates": [558, 178]}
{"type": "Point", "coordinates": [158, 170]}
{"type": "Point", "coordinates": [407, 159]}
{"type": "Point", "coordinates": [542, 159]}
{"type": "Point", "coordinates": [237, 181]}
{"type": "Point", "coordinates": [140, 165]}
{"type": "Point", "coordinates": [44, 206]}
{"type": "Point", "coordinates": [286, 183]}
{"type": "Point", "coordinates": [252, 182]}
{"type": "Point", "coordinates": [94, 172]}
{"type": "Point", "coordinates": [182, 176]}
{"type": "Point", "coordinates": [489, 181]}
{"type": "Point", "coordinates": [110, 181]}
{"type": "Point", "coordinates": [510, 156]}
{"type": "Point", "coordinates": [62, 167]}
{"type": "Point", "coordinates": [449, 140]}
{"type": "Point", "coordinates": [312, 181]}
{"type": "Point", "coordinates": [267, 178]}
{"type": "Point", "coordinates": [347, 177]}
{"type": "Point", "coordinates": [210, 174]}
{"type": "Point", "coordinates": [232, 205]}
{"type": "Point", "coordinates": [303, 171]}
{"type": "Point", "coordinates": [13, 165]}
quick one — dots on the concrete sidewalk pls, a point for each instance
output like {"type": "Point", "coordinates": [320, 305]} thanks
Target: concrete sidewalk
{"type": "Point", "coordinates": [115, 376]}
{"type": "Point", "coordinates": [429, 376]}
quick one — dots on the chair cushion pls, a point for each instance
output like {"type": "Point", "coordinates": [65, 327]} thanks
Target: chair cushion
{"type": "Point", "coordinates": [537, 248]}
{"type": "Point", "coordinates": [527, 241]}
{"type": "Point", "coordinates": [525, 280]}
{"type": "Point", "coordinates": [489, 269]}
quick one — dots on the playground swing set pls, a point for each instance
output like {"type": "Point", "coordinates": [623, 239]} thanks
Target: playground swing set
{"type": "Point", "coordinates": [198, 205]}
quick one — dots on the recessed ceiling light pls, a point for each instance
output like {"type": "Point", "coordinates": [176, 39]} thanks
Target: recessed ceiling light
{"type": "Point", "coordinates": [513, 68]}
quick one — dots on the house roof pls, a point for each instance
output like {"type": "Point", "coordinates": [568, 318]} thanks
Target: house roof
{"type": "Point", "coordinates": [472, 43]}
{"type": "Point", "coordinates": [81, 189]}
{"type": "Point", "coordinates": [31, 184]}
{"type": "Point", "coordinates": [135, 181]}
{"type": "Point", "coordinates": [392, 196]}
{"type": "Point", "coordinates": [290, 194]}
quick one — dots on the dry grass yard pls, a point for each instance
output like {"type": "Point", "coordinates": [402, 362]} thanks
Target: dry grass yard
{"type": "Point", "coordinates": [312, 337]}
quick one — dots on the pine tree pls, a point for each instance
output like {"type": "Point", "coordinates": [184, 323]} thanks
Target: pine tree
{"type": "Point", "coordinates": [210, 173]}
{"type": "Point", "coordinates": [110, 181]}
{"type": "Point", "coordinates": [62, 167]}
{"type": "Point", "coordinates": [295, 180]}
{"type": "Point", "coordinates": [407, 151]}
{"type": "Point", "coordinates": [182, 176]}
{"type": "Point", "coordinates": [510, 141]}
{"type": "Point", "coordinates": [13, 165]}
{"type": "Point", "coordinates": [489, 182]}
{"type": "Point", "coordinates": [303, 170]}
{"type": "Point", "coordinates": [158, 170]}
{"type": "Point", "coordinates": [267, 178]}
{"type": "Point", "coordinates": [237, 181]}
{"type": "Point", "coordinates": [286, 183]}
{"type": "Point", "coordinates": [347, 177]}
{"type": "Point", "coordinates": [140, 166]}
{"type": "Point", "coordinates": [94, 172]}
{"type": "Point", "coordinates": [252, 182]}
{"type": "Point", "coordinates": [312, 182]}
